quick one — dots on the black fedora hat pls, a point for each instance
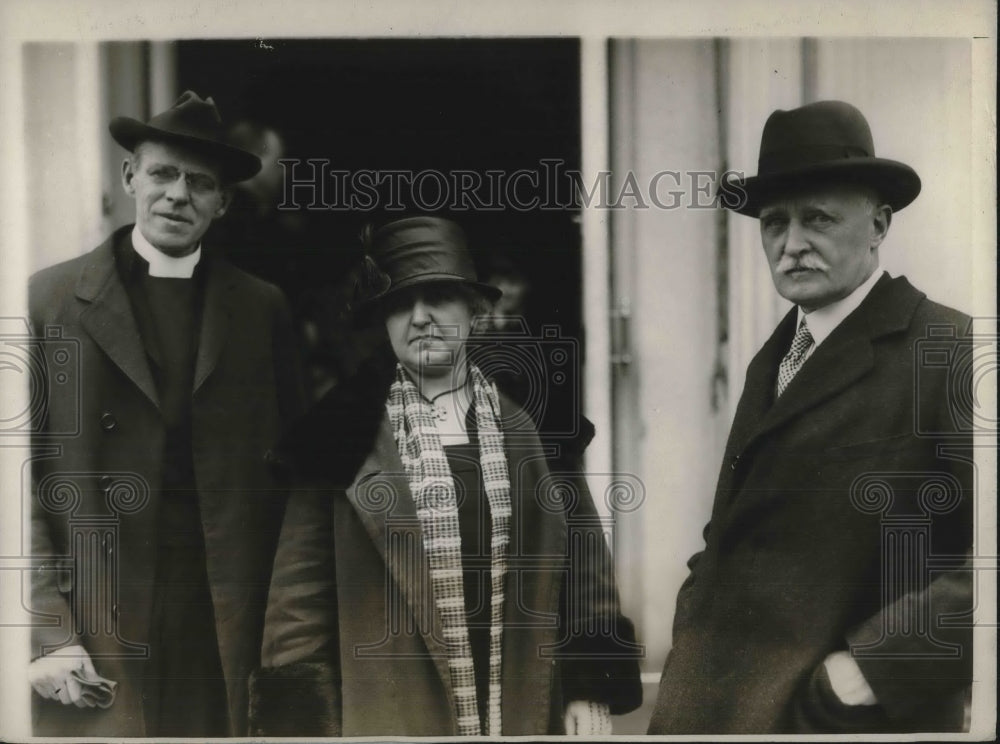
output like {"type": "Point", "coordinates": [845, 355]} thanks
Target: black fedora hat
{"type": "Point", "coordinates": [826, 141]}
{"type": "Point", "coordinates": [419, 250]}
{"type": "Point", "coordinates": [192, 122]}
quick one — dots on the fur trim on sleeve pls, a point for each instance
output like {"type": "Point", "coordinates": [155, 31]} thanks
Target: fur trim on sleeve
{"type": "Point", "coordinates": [604, 668]}
{"type": "Point", "coordinates": [300, 699]}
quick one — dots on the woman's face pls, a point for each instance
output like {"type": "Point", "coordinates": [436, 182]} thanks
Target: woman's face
{"type": "Point", "coordinates": [428, 326]}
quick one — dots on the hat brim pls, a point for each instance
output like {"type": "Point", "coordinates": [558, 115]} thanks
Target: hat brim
{"type": "Point", "coordinates": [896, 183]}
{"type": "Point", "coordinates": [368, 309]}
{"type": "Point", "coordinates": [237, 164]}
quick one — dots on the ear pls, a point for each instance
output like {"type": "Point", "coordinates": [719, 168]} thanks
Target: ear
{"type": "Point", "coordinates": [225, 199]}
{"type": "Point", "coordinates": [881, 219]}
{"type": "Point", "coordinates": [127, 175]}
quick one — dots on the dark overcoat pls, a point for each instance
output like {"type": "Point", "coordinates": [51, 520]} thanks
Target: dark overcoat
{"type": "Point", "coordinates": [98, 469]}
{"type": "Point", "coordinates": [352, 641]}
{"type": "Point", "coordinates": [834, 504]}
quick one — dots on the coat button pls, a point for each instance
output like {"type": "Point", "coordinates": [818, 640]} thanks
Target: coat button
{"type": "Point", "coordinates": [105, 482]}
{"type": "Point", "coordinates": [735, 462]}
{"type": "Point", "coordinates": [108, 421]}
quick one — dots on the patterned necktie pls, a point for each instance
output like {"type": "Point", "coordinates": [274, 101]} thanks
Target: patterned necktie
{"type": "Point", "coordinates": [796, 356]}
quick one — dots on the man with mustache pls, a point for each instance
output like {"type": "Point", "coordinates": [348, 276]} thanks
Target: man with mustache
{"type": "Point", "coordinates": [154, 526]}
{"type": "Point", "coordinates": [848, 470]}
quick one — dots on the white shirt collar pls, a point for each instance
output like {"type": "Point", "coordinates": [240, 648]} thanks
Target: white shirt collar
{"type": "Point", "coordinates": [822, 321]}
{"type": "Point", "coordinates": [162, 265]}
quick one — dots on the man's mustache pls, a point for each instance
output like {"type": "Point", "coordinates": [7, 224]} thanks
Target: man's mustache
{"type": "Point", "coordinates": [791, 264]}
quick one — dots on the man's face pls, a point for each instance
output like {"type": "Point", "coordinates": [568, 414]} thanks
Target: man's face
{"type": "Point", "coordinates": [271, 175]}
{"type": "Point", "coordinates": [177, 195]}
{"type": "Point", "coordinates": [428, 327]}
{"type": "Point", "coordinates": [822, 244]}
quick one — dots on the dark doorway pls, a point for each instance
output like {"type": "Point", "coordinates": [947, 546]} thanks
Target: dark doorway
{"type": "Point", "coordinates": [447, 105]}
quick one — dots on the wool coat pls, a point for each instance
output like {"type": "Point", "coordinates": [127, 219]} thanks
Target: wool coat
{"type": "Point", "coordinates": [352, 643]}
{"type": "Point", "coordinates": [834, 503]}
{"type": "Point", "coordinates": [98, 469]}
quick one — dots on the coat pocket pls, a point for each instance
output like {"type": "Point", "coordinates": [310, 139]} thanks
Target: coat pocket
{"type": "Point", "coordinates": [869, 448]}
{"type": "Point", "coordinates": [816, 709]}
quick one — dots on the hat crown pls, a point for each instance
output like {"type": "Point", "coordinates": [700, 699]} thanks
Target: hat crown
{"type": "Point", "coordinates": [414, 251]}
{"type": "Point", "coordinates": [422, 248]}
{"type": "Point", "coordinates": [815, 133]}
{"type": "Point", "coordinates": [191, 116]}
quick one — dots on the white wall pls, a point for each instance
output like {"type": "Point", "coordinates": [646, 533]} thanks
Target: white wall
{"type": "Point", "coordinates": [664, 264]}
{"type": "Point", "coordinates": [63, 177]}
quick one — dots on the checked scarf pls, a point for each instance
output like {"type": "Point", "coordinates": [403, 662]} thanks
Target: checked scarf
{"type": "Point", "coordinates": [412, 419]}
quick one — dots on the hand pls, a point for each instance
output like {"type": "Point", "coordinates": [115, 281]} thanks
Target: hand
{"type": "Point", "coordinates": [847, 681]}
{"type": "Point", "coordinates": [584, 718]}
{"type": "Point", "coordinates": [51, 675]}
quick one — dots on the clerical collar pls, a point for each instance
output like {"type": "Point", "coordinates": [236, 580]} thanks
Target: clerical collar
{"type": "Point", "coordinates": [822, 321]}
{"type": "Point", "coordinates": [162, 265]}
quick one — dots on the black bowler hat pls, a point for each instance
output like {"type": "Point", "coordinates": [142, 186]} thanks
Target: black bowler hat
{"type": "Point", "coordinates": [191, 122]}
{"type": "Point", "coordinates": [419, 250]}
{"type": "Point", "coordinates": [822, 142]}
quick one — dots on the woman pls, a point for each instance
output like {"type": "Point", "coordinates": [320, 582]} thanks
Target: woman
{"type": "Point", "coordinates": [423, 583]}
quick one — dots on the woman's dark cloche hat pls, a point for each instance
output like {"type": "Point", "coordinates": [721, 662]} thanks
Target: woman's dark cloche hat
{"type": "Point", "coordinates": [193, 122]}
{"type": "Point", "coordinates": [826, 141]}
{"type": "Point", "coordinates": [422, 250]}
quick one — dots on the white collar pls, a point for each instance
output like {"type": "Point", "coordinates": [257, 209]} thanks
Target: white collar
{"type": "Point", "coordinates": [822, 321]}
{"type": "Point", "coordinates": [162, 265]}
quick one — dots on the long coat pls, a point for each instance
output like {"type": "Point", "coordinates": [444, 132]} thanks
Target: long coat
{"type": "Point", "coordinates": [352, 641]}
{"type": "Point", "coordinates": [824, 502]}
{"type": "Point", "coordinates": [98, 471]}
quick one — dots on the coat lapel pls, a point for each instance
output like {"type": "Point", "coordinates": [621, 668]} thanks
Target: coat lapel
{"type": "Point", "coordinates": [108, 317]}
{"type": "Point", "coordinates": [836, 364]}
{"type": "Point", "coordinates": [758, 390]}
{"type": "Point", "coordinates": [842, 359]}
{"type": "Point", "coordinates": [381, 497]}
{"type": "Point", "coordinates": [215, 320]}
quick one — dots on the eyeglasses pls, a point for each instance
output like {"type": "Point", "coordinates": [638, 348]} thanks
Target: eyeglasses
{"type": "Point", "coordinates": [200, 184]}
